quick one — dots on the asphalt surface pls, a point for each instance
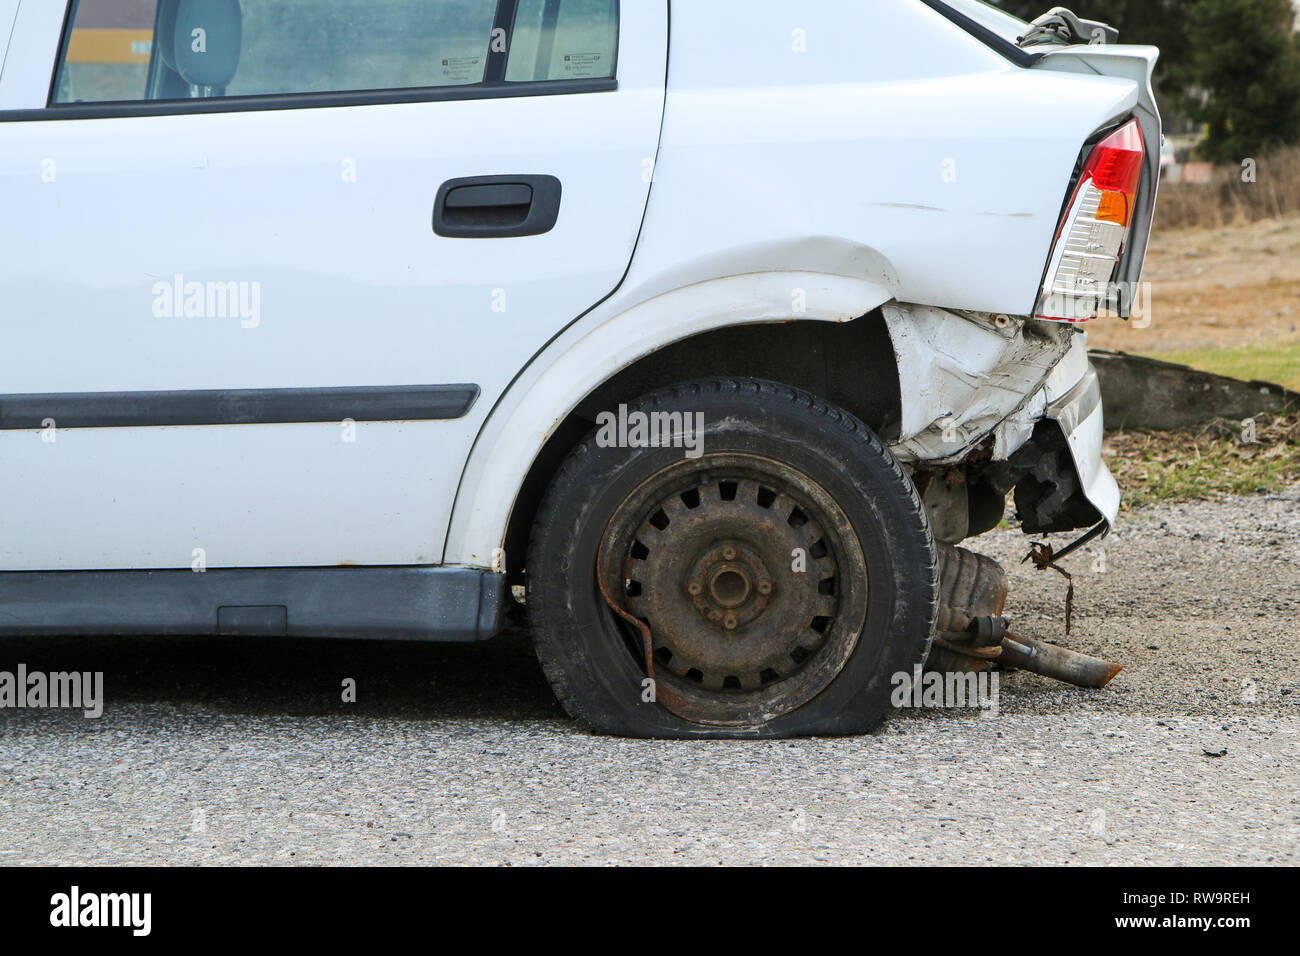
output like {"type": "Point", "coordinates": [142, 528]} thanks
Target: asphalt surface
{"type": "Point", "coordinates": [234, 751]}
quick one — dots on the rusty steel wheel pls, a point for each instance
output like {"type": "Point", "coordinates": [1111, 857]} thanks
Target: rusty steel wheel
{"type": "Point", "coordinates": [774, 585]}
{"type": "Point", "coordinates": [750, 579]}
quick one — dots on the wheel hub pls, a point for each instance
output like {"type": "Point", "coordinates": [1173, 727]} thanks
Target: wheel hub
{"type": "Point", "coordinates": [730, 585]}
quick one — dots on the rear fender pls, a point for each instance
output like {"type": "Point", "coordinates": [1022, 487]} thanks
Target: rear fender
{"type": "Point", "coordinates": [597, 347]}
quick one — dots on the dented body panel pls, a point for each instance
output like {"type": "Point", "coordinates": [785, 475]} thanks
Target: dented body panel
{"type": "Point", "coordinates": [983, 379]}
{"type": "Point", "coordinates": [973, 372]}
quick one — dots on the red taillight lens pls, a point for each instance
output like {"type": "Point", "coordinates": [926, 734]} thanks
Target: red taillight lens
{"type": "Point", "coordinates": [1116, 169]}
{"type": "Point", "coordinates": [1095, 228]}
{"type": "Point", "coordinates": [1116, 164]}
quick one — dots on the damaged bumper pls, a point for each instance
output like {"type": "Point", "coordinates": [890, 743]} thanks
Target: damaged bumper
{"type": "Point", "coordinates": [1079, 414]}
{"type": "Point", "coordinates": [994, 405]}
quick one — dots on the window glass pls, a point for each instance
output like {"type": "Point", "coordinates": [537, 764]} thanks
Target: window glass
{"type": "Point", "coordinates": [564, 40]}
{"type": "Point", "coordinates": [254, 47]}
{"type": "Point", "coordinates": [107, 52]}
{"type": "Point", "coordinates": [317, 46]}
{"type": "Point", "coordinates": [1005, 25]}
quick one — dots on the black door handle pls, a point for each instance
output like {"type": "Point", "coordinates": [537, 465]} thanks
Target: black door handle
{"type": "Point", "coordinates": [491, 207]}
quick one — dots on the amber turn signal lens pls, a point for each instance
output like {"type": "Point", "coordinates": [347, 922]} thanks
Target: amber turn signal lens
{"type": "Point", "coordinates": [1114, 208]}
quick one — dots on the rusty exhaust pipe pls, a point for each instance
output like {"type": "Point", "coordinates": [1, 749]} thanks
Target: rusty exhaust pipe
{"type": "Point", "coordinates": [987, 640]}
{"type": "Point", "coordinates": [1056, 662]}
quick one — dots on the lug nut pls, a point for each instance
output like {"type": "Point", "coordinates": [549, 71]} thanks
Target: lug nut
{"type": "Point", "coordinates": [695, 587]}
{"type": "Point", "coordinates": [764, 587]}
{"type": "Point", "coordinates": [730, 622]}
{"type": "Point", "coordinates": [729, 553]}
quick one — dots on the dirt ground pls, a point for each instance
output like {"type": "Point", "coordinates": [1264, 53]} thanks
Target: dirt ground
{"type": "Point", "coordinates": [1215, 288]}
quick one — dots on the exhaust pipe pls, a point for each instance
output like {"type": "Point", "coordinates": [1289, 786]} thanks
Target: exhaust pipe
{"type": "Point", "coordinates": [987, 640]}
{"type": "Point", "coordinates": [1056, 662]}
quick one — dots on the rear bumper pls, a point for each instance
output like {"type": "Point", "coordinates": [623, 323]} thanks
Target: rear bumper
{"type": "Point", "coordinates": [1053, 455]}
{"type": "Point", "coordinates": [1079, 414]}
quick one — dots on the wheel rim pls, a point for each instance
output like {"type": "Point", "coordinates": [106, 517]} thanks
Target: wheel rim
{"type": "Point", "coordinates": [751, 580]}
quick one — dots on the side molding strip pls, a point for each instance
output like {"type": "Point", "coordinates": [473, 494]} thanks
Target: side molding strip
{"type": "Point", "coordinates": [246, 406]}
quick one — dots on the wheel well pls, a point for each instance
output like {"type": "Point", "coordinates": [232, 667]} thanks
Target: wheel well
{"type": "Point", "coordinates": [850, 364]}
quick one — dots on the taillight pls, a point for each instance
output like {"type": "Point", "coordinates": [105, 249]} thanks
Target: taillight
{"type": "Point", "coordinates": [1094, 230]}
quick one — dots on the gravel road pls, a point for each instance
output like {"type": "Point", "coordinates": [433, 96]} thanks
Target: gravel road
{"type": "Point", "coordinates": [228, 751]}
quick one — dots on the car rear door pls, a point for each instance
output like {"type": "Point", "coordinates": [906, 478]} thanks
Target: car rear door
{"type": "Point", "coordinates": [267, 264]}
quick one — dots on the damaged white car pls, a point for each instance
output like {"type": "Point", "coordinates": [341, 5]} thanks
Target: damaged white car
{"type": "Point", "coordinates": [358, 318]}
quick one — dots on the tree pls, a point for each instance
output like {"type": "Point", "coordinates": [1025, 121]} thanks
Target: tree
{"type": "Point", "coordinates": [1246, 64]}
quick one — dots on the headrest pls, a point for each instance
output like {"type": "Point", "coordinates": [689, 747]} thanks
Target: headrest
{"type": "Point", "coordinates": [208, 35]}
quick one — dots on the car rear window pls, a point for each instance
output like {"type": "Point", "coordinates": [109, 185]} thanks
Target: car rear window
{"type": "Point", "coordinates": [990, 25]}
{"type": "Point", "coordinates": [1008, 27]}
{"type": "Point", "coordinates": [130, 50]}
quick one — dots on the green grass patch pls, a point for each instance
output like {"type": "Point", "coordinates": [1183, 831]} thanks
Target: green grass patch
{"type": "Point", "coordinates": [1265, 362]}
{"type": "Point", "coordinates": [1205, 462]}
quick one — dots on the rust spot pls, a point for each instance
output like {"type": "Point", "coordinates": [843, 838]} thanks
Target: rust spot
{"type": "Point", "coordinates": [1042, 555]}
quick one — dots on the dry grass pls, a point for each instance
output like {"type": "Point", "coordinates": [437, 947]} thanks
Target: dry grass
{"type": "Point", "coordinates": [1227, 201]}
{"type": "Point", "coordinates": [1204, 462]}
{"type": "Point", "coordinates": [1216, 288]}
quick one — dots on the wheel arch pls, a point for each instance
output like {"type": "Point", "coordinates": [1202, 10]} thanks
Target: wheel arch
{"type": "Point", "coordinates": [838, 348]}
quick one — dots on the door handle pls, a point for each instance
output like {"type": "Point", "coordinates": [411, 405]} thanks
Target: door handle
{"type": "Point", "coordinates": [492, 207]}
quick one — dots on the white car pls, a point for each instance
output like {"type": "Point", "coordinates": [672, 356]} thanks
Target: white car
{"type": "Point", "coordinates": [698, 327]}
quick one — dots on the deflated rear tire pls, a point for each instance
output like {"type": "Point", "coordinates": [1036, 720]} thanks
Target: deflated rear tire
{"type": "Point", "coordinates": [766, 576]}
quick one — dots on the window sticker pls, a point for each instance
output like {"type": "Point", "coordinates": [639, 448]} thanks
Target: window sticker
{"type": "Point", "coordinates": [583, 64]}
{"type": "Point", "coordinates": [462, 69]}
